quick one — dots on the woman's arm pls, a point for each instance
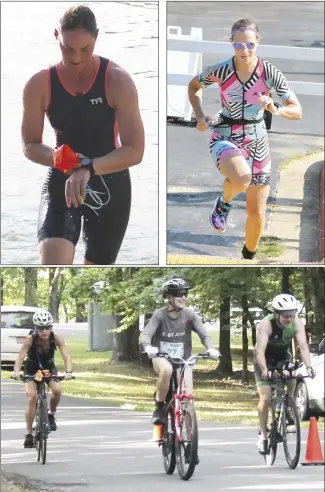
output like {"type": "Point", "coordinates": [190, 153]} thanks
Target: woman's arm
{"type": "Point", "coordinates": [291, 109]}
{"type": "Point", "coordinates": [123, 97]}
{"type": "Point", "coordinates": [33, 121]}
{"type": "Point", "coordinates": [194, 91]}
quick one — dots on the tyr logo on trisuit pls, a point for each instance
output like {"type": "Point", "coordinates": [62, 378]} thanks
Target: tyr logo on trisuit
{"type": "Point", "coordinates": [96, 101]}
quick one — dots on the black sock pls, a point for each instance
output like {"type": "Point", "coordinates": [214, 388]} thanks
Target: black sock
{"type": "Point", "coordinates": [159, 404]}
{"type": "Point", "coordinates": [248, 255]}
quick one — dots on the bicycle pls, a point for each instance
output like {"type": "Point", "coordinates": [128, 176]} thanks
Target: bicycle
{"type": "Point", "coordinates": [179, 433]}
{"type": "Point", "coordinates": [41, 429]}
{"type": "Point", "coordinates": [280, 429]}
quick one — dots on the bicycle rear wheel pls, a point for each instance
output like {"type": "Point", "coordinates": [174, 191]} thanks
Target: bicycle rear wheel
{"type": "Point", "coordinates": [168, 442]}
{"type": "Point", "coordinates": [291, 433]}
{"type": "Point", "coordinates": [187, 447]}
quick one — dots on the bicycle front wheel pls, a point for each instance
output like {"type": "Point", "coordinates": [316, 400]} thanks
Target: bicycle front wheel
{"type": "Point", "coordinates": [168, 443]}
{"type": "Point", "coordinates": [187, 447]}
{"type": "Point", "coordinates": [291, 432]}
{"type": "Point", "coordinates": [272, 442]}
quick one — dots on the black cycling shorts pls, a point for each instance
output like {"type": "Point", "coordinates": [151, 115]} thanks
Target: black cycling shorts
{"type": "Point", "coordinates": [30, 368]}
{"type": "Point", "coordinates": [272, 364]}
{"type": "Point", "coordinates": [103, 233]}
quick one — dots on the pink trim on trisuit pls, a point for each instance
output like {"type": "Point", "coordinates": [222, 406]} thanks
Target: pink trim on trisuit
{"type": "Point", "coordinates": [67, 88]}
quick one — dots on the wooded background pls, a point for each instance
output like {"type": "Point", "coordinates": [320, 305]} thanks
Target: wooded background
{"type": "Point", "coordinates": [130, 292]}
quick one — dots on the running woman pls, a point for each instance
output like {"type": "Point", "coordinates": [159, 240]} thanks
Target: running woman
{"type": "Point", "coordinates": [239, 142]}
{"type": "Point", "coordinates": [92, 105]}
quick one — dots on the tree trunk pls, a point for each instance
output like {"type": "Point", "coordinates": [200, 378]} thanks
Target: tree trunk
{"type": "Point", "coordinates": [253, 327]}
{"type": "Point", "coordinates": [316, 283]}
{"type": "Point", "coordinates": [245, 338]}
{"type": "Point", "coordinates": [81, 312]}
{"type": "Point", "coordinates": [66, 315]}
{"type": "Point", "coordinates": [57, 285]}
{"type": "Point", "coordinates": [30, 275]}
{"type": "Point", "coordinates": [286, 272]}
{"type": "Point", "coordinates": [126, 344]}
{"type": "Point", "coordinates": [225, 362]}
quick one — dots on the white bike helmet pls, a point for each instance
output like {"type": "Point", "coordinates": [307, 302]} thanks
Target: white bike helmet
{"type": "Point", "coordinates": [42, 318]}
{"type": "Point", "coordinates": [173, 285]}
{"type": "Point", "coordinates": [285, 304]}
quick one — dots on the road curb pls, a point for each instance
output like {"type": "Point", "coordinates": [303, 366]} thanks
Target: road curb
{"type": "Point", "coordinates": [322, 216]}
{"type": "Point", "coordinates": [181, 259]}
{"type": "Point", "coordinates": [294, 219]}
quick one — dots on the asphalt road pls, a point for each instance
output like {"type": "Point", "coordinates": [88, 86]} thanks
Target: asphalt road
{"type": "Point", "coordinates": [193, 181]}
{"type": "Point", "coordinates": [98, 448]}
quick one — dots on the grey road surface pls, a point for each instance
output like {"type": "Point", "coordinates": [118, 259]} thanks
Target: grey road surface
{"type": "Point", "coordinates": [193, 181]}
{"type": "Point", "coordinates": [98, 448]}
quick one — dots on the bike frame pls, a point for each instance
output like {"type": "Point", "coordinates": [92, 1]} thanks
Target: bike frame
{"type": "Point", "coordinates": [178, 394]}
{"type": "Point", "coordinates": [280, 384]}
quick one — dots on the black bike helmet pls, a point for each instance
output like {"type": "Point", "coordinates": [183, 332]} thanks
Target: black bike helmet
{"type": "Point", "coordinates": [173, 285]}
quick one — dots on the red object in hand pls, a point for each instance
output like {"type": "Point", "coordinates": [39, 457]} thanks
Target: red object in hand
{"type": "Point", "coordinates": [65, 158]}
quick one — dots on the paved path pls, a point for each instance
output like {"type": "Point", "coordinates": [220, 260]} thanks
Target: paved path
{"type": "Point", "coordinates": [193, 181]}
{"type": "Point", "coordinates": [98, 448]}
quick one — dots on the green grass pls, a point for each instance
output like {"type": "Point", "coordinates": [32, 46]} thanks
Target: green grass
{"type": "Point", "coordinates": [221, 400]}
{"type": "Point", "coordinates": [270, 247]}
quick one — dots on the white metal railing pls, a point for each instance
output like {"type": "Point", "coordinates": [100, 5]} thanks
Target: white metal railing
{"type": "Point", "coordinates": [181, 68]}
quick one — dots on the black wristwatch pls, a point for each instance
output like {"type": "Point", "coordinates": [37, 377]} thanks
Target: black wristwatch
{"type": "Point", "coordinates": [88, 164]}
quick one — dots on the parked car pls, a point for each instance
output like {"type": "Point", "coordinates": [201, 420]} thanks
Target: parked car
{"type": "Point", "coordinates": [309, 393]}
{"type": "Point", "coordinates": [16, 323]}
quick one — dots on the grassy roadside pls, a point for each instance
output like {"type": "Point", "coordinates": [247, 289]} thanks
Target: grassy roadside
{"type": "Point", "coordinates": [133, 385]}
{"type": "Point", "coordinates": [13, 484]}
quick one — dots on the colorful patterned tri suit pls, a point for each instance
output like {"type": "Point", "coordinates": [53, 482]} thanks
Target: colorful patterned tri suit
{"type": "Point", "coordinates": [239, 125]}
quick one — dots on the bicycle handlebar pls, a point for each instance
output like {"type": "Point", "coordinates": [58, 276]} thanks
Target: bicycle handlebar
{"type": "Point", "coordinates": [286, 377]}
{"type": "Point", "coordinates": [45, 378]}
{"type": "Point", "coordinates": [180, 360]}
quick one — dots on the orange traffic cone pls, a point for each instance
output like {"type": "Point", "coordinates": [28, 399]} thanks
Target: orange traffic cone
{"type": "Point", "coordinates": [157, 432]}
{"type": "Point", "coordinates": [314, 455]}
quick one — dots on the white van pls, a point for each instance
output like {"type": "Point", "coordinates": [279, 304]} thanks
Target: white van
{"type": "Point", "coordinates": [309, 393]}
{"type": "Point", "coordinates": [16, 323]}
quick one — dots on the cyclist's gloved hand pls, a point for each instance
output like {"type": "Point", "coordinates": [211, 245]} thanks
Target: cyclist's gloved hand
{"type": "Point", "coordinates": [15, 375]}
{"type": "Point", "coordinates": [311, 372]}
{"type": "Point", "coordinates": [151, 351]}
{"type": "Point", "coordinates": [214, 353]}
{"type": "Point", "coordinates": [68, 375]}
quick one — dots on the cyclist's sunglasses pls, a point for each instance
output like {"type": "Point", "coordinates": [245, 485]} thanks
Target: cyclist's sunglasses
{"type": "Point", "coordinates": [180, 293]}
{"type": "Point", "coordinates": [42, 328]}
{"type": "Point", "coordinates": [239, 46]}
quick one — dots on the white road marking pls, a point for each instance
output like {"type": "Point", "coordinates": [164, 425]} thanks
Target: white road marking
{"type": "Point", "coordinates": [21, 425]}
{"type": "Point", "coordinates": [290, 486]}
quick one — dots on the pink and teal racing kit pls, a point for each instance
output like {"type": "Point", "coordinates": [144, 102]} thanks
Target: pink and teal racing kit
{"type": "Point", "coordinates": [239, 127]}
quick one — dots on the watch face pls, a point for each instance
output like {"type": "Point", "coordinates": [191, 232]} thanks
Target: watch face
{"type": "Point", "coordinates": [85, 161]}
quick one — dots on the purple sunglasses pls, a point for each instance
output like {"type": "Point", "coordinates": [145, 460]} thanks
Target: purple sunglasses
{"type": "Point", "coordinates": [250, 45]}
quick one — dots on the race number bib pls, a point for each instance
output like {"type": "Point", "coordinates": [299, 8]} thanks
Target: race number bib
{"type": "Point", "coordinates": [175, 350]}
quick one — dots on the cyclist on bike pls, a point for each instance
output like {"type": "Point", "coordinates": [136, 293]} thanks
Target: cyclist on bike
{"type": "Point", "coordinates": [170, 330]}
{"type": "Point", "coordinates": [273, 350]}
{"type": "Point", "coordinates": [39, 347]}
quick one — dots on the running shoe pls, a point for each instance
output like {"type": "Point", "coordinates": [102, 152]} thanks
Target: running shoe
{"type": "Point", "coordinates": [219, 214]}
